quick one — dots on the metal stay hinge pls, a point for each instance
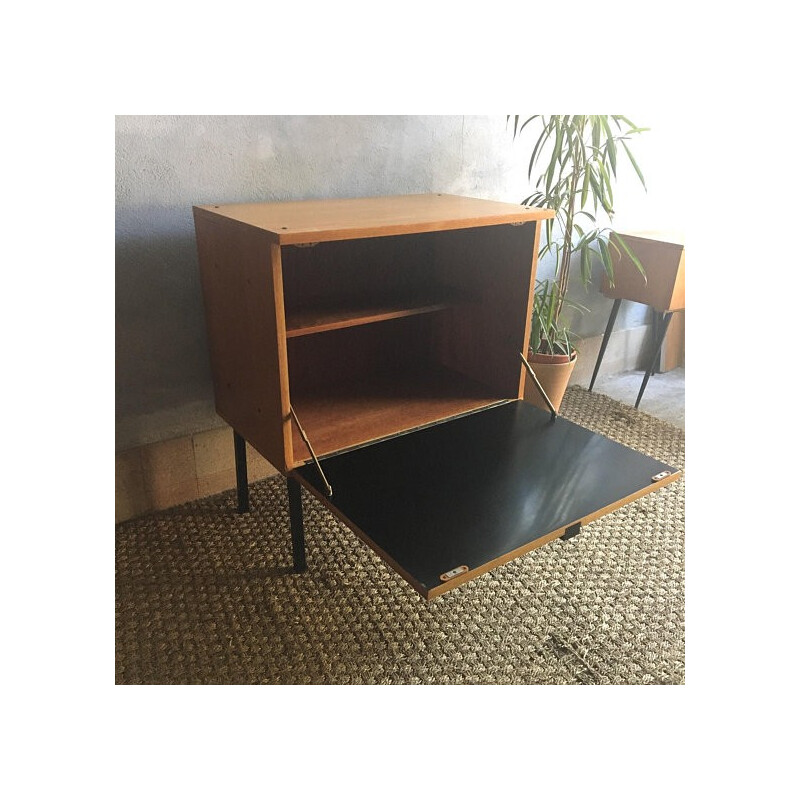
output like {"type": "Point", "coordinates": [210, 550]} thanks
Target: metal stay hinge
{"type": "Point", "coordinates": [328, 487]}
{"type": "Point", "coordinates": [538, 385]}
{"type": "Point", "coordinates": [521, 222]}
{"type": "Point", "coordinates": [306, 244]}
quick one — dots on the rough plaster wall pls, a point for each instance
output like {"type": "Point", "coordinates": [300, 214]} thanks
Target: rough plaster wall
{"type": "Point", "coordinates": [167, 164]}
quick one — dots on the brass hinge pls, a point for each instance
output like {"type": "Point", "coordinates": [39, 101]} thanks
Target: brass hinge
{"type": "Point", "coordinates": [446, 576]}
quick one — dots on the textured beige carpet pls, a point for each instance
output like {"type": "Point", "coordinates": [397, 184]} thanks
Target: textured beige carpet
{"type": "Point", "coordinates": [205, 595]}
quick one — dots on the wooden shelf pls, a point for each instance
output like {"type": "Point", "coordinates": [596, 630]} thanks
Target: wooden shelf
{"type": "Point", "coordinates": [343, 416]}
{"type": "Point", "coordinates": [318, 320]}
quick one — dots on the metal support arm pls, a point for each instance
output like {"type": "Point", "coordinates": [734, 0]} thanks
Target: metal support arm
{"type": "Point", "coordinates": [328, 487]}
{"type": "Point", "coordinates": [538, 385]}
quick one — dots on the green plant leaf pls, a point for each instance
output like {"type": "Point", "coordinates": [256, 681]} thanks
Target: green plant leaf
{"type": "Point", "coordinates": [540, 142]}
{"type": "Point", "coordinates": [586, 239]}
{"type": "Point", "coordinates": [611, 147]}
{"type": "Point", "coordinates": [606, 194]}
{"type": "Point", "coordinates": [585, 188]}
{"type": "Point", "coordinates": [586, 266]}
{"type": "Point", "coordinates": [536, 199]}
{"type": "Point", "coordinates": [597, 190]}
{"type": "Point", "coordinates": [633, 257]}
{"type": "Point", "coordinates": [634, 164]}
{"type": "Point", "coordinates": [554, 158]}
{"type": "Point", "coordinates": [605, 258]}
{"type": "Point", "coordinates": [573, 166]}
{"type": "Point", "coordinates": [596, 132]}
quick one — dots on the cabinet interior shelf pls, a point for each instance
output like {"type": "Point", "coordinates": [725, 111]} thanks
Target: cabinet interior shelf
{"type": "Point", "coordinates": [345, 415]}
{"type": "Point", "coordinates": [302, 322]}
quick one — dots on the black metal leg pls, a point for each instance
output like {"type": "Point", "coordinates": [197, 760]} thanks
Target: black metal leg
{"type": "Point", "coordinates": [606, 336]}
{"type": "Point", "coordinates": [242, 491]}
{"type": "Point", "coordinates": [296, 523]}
{"type": "Point", "coordinates": [661, 332]}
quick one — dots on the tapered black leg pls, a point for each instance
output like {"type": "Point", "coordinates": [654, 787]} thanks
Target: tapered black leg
{"type": "Point", "coordinates": [242, 491]}
{"type": "Point", "coordinates": [661, 332]}
{"type": "Point", "coordinates": [606, 336]}
{"type": "Point", "coordinates": [296, 523]}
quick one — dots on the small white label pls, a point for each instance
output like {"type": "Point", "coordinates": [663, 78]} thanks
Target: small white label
{"type": "Point", "coordinates": [453, 572]}
{"type": "Point", "coordinates": [660, 476]}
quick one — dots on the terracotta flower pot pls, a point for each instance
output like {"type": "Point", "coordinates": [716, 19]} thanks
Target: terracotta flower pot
{"type": "Point", "coordinates": [553, 372]}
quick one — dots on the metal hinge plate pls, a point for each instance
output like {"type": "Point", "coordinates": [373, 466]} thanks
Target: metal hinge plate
{"type": "Point", "coordinates": [446, 576]}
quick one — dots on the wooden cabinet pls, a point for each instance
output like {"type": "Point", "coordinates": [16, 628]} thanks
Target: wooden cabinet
{"type": "Point", "coordinates": [366, 317]}
{"type": "Point", "coordinates": [337, 326]}
{"type": "Point", "coordinates": [662, 287]}
{"type": "Point", "coordinates": [663, 257]}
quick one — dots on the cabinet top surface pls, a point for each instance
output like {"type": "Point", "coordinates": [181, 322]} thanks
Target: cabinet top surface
{"type": "Point", "coordinates": [330, 220]}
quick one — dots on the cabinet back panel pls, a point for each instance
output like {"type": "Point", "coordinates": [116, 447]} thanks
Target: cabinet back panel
{"type": "Point", "coordinates": [495, 268]}
{"type": "Point", "coordinates": [352, 386]}
{"type": "Point", "coordinates": [330, 274]}
{"type": "Point", "coordinates": [346, 356]}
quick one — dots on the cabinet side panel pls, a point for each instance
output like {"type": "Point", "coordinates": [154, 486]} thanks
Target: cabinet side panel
{"type": "Point", "coordinates": [678, 299]}
{"type": "Point", "coordinates": [240, 276]}
{"type": "Point", "coordinates": [483, 337]}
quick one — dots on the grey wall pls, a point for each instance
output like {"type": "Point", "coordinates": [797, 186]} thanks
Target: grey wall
{"type": "Point", "coordinates": [166, 164]}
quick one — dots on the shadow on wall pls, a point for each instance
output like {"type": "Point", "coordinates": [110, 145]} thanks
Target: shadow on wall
{"type": "Point", "coordinates": [161, 347]}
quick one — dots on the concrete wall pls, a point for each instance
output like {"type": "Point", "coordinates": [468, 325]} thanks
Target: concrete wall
{"type": "Point", "coordinates": [166, 164]}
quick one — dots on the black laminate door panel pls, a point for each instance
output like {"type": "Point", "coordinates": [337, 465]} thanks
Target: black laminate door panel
{"type": "Point", "coordinates": [471, 490]}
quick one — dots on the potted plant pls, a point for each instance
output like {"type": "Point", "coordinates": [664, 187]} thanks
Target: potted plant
{"type": "Point", "coordinates": [552, 350]}
{"type": "Point", "coordinates": [577, 155]}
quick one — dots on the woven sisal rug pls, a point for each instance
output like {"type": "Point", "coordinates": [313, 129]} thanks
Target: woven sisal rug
{"type": "Point", "coordinates": [207, 596]}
